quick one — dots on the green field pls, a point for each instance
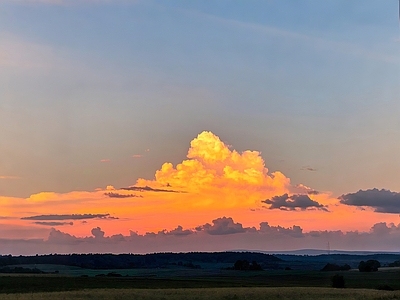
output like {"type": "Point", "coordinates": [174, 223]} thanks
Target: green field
{"type": "Point", "coordinates": [175, 279]}
{"type": "Point", "coordinates": [177, 283]}
{"type": "Point", "coordinates": [255, 293]}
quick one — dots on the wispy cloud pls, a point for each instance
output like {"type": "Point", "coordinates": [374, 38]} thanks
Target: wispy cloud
{"type": "Point", "coordinates": [21, 54]}
{"type": "Point", "coordinates": [69, 217]}
{"type": "Point", "coordinates": [54, 223]}
{"type": "Point", "coordinates": [308, 168]}
{"type": "Point", "coordinates": [149, 189]}
{"type": "Point", "coordinates": [119, 195]}
{"type": "Point", "coordinates": [68, 2]}
{"type": "Point", "coordinates": [346, 48]}
{"type": "Point", "coordinates": [10, 177]}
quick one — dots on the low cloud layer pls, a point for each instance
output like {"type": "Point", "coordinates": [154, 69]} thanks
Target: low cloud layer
{"type": "Point", "coordinates": [293, 202]}
{"type": "Point", "coordinates": [382, 201]}
{"type": "Point", "coordinates": [223, 234]}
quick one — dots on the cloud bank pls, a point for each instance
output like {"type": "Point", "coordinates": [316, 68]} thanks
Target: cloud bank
{"type": "Point", "coordinates": [223, 234]}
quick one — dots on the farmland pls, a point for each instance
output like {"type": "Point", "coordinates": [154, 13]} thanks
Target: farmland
{"type": "Point", "coordinates": [257, 293]}
{"type": "Point", "coordinates": [174, 277]}
{"type": "Point", "coordinates": [181, 278]}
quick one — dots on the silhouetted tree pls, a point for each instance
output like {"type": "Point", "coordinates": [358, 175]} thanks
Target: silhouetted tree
{"type": "Point", "coordinates": [335, 267]}
{"type": "Point", "coordinates": [245, 265]}
{"type": "Point", "coordinates": [371, 265]}
{"type": "Point", "coordinates": [337, 281]}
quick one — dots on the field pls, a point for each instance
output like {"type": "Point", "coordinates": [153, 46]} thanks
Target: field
{"type": "Point", "coordinates": [213, 280]}
{"type": "Point", "coordinates": [255, 293]}
{"type": "Point", "coordinates": [179, 279]}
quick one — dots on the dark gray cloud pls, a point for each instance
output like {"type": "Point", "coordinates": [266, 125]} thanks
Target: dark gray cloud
{"type": "Point", "coordinates": [222, 226]}
{"type": "Point", "coordinates": [308, 168]}
{"type": "Point", "coordinates": [313, 192]}
{"type": "Point", "coordinates": [97, 233]}
{"type": "Point", "coordinates": [383, 201]}
{"type": "Point", "coordinates": [149, 189]}
{"type": "Point", "coordinates": [54, 223]}
{"type": "Point", "coordinates": [117, 195]}
{"type": "Point", "coordinates": [286, 202]}
{"type": "Point", "coordinates": [295, 231]}
{"type": "Point", "coordinates": [69, 217]}
{"type": "Point", "coordinates": [58, 236]}
{"type": "Point", "coordinates": [178, 231]}
{"type": "Point", "coordinates": [382, 228]}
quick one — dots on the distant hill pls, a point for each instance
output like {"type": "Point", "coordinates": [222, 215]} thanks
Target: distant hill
{"type": "Point", "coordinates": [322, 252]}
{"type": "Point", "coordinates": [130, 261]}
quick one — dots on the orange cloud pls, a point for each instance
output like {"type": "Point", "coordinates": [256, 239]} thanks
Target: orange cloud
{"type": "Point", "coordinates": [214, 181]}
{"type": "Point", "coordinates": [212, 165]}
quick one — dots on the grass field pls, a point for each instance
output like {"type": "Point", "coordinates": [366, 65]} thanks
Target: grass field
{"type": "Point", "coordinates": [254, 293]}
{"type": "Point", "coordinates": [158, 279]}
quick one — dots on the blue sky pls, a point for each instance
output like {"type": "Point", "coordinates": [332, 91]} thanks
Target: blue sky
{"type": "Point", "coordinates": [125, 120]}
{"type": "Point", "coordinates": [310, 84]}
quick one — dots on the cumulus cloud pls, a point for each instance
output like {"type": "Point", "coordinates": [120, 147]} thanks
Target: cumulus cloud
{"type": "Point", "coordinates": [61, 237]}
{"type": "Point", "coordinates": [382, 228]}
{"type": "Point", "coordinates": [222, 226]}
{"type": "Point", "coordinates": [178, 231]}
{"type": "Point", "coordinates": [54, 223]}
{"type": "Point", "coordinates": [293, 202]}
{"type": "Point", "coordinates": [382, 201]}
{"type": "Point", "coordinates": [211, 163]}
{"type": "Point", "coordinates": [97, 233]}
{"type": "Point", "coordinates": [69, 217]}
{"type": "Point", "coordinates": [295, 231]}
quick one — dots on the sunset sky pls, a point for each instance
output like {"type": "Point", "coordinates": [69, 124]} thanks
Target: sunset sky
{"type": "Point", "coordinates": [146, 126]}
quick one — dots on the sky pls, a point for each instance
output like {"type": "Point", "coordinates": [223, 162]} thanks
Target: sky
{"type": "Point", "coordinates": [150, 126]}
